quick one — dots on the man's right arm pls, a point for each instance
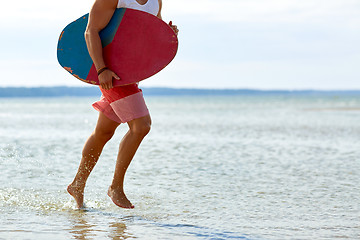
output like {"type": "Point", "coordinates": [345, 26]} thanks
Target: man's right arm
{"type": "Point", "coordinates": [100, 15]}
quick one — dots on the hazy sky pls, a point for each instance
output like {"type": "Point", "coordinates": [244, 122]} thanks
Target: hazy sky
{"type": "Point", "coordinates": [262, 44]}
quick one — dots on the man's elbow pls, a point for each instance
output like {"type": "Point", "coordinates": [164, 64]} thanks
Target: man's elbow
{"type": "Point", "coordinates": [89, 32]}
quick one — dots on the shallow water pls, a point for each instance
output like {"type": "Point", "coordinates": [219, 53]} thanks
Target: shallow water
{"type": "Point", "coordinates": [245, 167]}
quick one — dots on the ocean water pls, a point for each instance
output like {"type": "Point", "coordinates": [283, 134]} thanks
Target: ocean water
{"type": "Point", "coordinates": [212, 167]}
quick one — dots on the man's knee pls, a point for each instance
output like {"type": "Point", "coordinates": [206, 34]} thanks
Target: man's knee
{"type": "Point", "coordinates": [104, 135]}
{"type": "Point", "coordinates": [141, 129]}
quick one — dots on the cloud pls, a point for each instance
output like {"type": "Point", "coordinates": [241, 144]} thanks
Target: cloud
{"type": "Point", "coordinates": [36, 13]}
{"type": "Point", "coordinates": [296, 74]}
{"type": "Point", "coordinates": [265, 11]}
{"type": "Point", "coordinates": [227, 43]}
{"type": "Point", "coordinates": [224, 10]}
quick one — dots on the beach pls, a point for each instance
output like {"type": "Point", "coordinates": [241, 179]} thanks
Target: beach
{"type": "Point", "coordinates": [212, 167]}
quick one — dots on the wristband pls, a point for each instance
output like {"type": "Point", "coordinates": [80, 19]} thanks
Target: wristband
{"type": "Point", "coordinates": [101, 70]}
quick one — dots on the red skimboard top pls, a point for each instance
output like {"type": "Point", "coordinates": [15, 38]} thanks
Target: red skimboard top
{"type": "Point", "coordinates": [136, 45]}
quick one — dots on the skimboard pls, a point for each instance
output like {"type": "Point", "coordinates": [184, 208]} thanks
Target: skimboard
{"type": "Point", "coordinates": [136, 45]}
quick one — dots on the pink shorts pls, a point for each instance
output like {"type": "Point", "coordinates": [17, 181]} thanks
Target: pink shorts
{"type": "Point", "coordinates": [122, 104]}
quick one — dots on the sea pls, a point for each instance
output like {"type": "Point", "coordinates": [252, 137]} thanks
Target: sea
{"type": "Point", "coordinates": [212, 167]}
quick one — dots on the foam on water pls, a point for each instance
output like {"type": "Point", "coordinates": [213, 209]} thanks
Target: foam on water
{"type": "Point", "coordinates": [39, 213]}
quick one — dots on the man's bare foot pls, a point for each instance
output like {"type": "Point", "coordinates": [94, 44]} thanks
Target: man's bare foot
{"type": "Point", "coordinates": [119, 198]}
{"type": "Point", "coordinates": [77, 193]}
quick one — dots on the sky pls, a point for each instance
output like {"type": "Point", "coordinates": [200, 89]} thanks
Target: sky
{"type": "Point", "coordinates": [257, 44]}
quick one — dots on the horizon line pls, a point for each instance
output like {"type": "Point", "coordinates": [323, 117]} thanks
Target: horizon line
{"type": "Point", "coordinates": [195, 88]}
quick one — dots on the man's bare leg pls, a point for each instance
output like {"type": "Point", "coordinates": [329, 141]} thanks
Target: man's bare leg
{"type": "Point", "coordinates": [103, 132]}
{"type": "Point", "coordinates": [138, 129]}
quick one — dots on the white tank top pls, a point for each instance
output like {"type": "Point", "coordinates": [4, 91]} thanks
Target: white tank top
{"type": "Point", "coordinates": [151, 6]}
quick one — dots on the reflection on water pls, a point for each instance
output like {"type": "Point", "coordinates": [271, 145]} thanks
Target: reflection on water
{"type": "Point", "coordinates": [87, 224]}
{"type": "Point", "coordinates": [80, 227]}
{"type": "Point", "coordinates": [93, 224]}
{"type": "Point", "coordinates": [117, 231]}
